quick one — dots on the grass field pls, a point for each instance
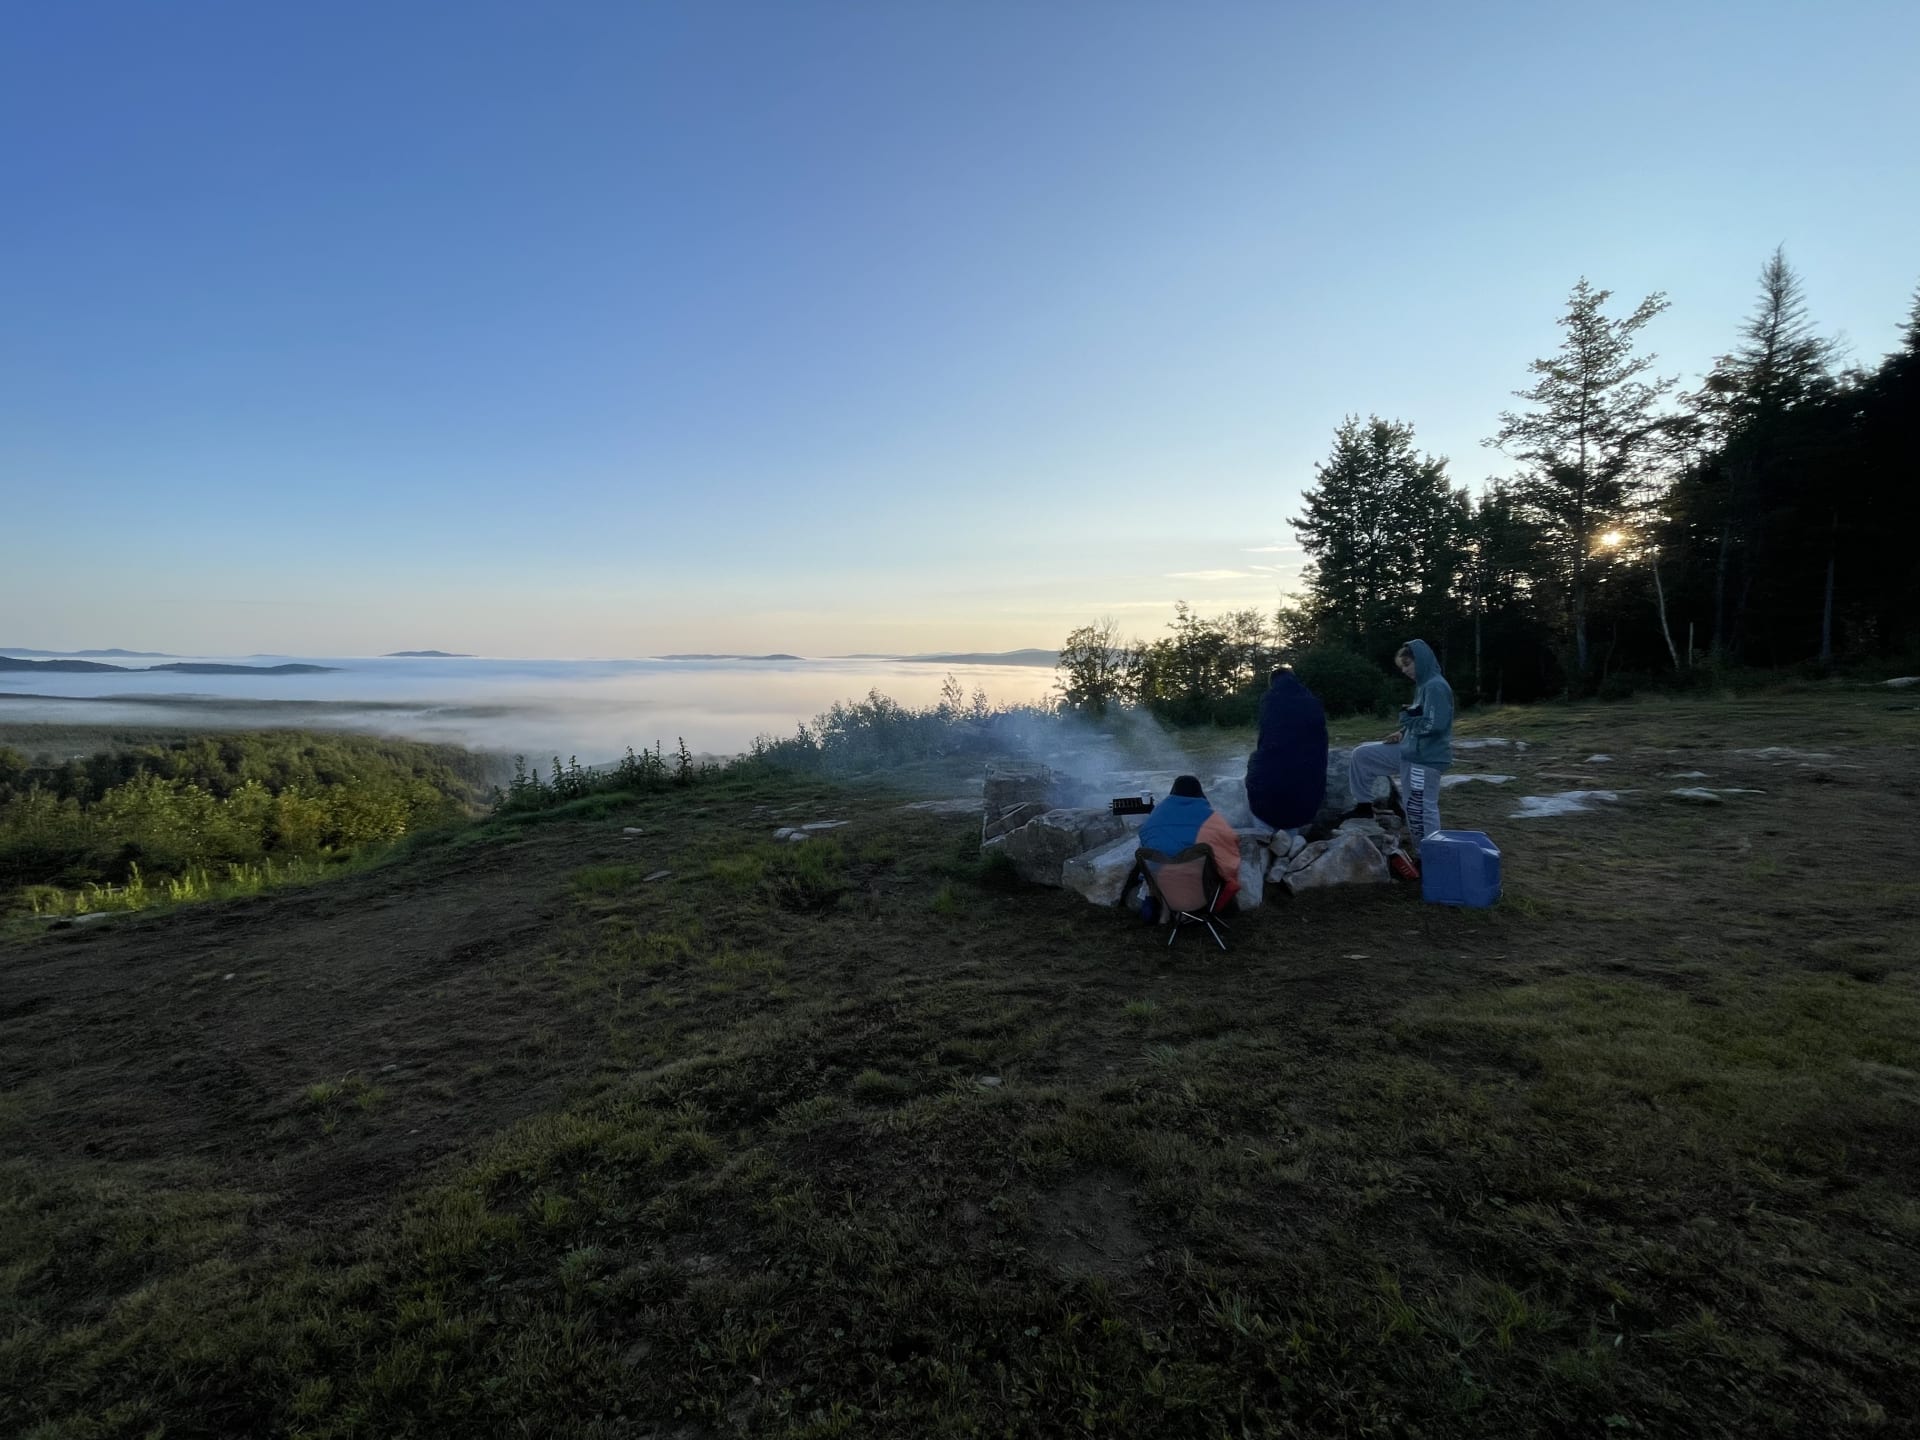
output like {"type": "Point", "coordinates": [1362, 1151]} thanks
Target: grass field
{"type": "Point", "coordinates": [514, 1136]}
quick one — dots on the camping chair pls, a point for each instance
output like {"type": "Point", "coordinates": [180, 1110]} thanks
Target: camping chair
{"type": "Point", "coordinates": [1187, 885]}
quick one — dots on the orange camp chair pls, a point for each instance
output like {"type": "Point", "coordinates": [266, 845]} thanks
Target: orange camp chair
{"type": "Point", "coordinates": [1188, 886]}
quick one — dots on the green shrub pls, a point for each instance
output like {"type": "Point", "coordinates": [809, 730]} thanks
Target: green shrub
{"type": "Point", "coordinates": [1345, 682]}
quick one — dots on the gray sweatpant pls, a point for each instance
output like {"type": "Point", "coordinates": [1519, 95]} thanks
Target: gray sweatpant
{"type": "Point", "coordinates": [1419, 784]}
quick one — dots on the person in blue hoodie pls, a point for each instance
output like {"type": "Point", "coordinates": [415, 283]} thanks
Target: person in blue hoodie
{"type": "Point", "coordinates": [1186, 818]}
{"type": "Point", "coordinates": [1418, 753]}
{"type": "Point", "coordinates": [1287, 772]}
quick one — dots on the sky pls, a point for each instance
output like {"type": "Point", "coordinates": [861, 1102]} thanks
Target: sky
{"type": "Point", "coordinates": [616, 329]}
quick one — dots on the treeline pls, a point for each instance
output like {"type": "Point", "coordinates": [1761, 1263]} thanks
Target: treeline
{"type": "Point", "coordinates": [1645, 534]}
{"type": "Point", "coordinates": [1212, 669]}
{"type": "Point", "coordinates": [203, 807]}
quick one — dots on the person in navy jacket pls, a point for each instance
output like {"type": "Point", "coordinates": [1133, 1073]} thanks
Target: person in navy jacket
{"type": "Point", "coordinates": [1287, 772]}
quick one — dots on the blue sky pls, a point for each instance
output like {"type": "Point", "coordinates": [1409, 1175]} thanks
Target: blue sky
{"type": "Point", "coordinates": [613, 329]}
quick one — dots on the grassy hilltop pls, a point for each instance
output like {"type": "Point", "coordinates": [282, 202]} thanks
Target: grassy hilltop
{"type": "Point", "coordinates": [514, 1135]}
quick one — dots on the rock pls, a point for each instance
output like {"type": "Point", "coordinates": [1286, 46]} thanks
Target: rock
{"type": "Point", "coordinates": [1253, 878]}
{"type": "Point", "coordinates": [790, 833]}
{"type": "Point", "coordinates": [1567, 802]}
{"type": "Point", "coordinates": [1447, 782]}
{"type": "Point", "coordinates": [1700, 795]}
{"type": "Point", "coordinates": [632, 830]}
{"type": "Point", "coordinates": [1285, 845]}
{"type": "Point", "coordinates": [994, 824]}
{"type": "Point", "coordinates": [818, 825]}
{"type": "Point", "coordinates": [1013, 795]}
{"type": "Point", "coordinates": [1339, 795]}
{"type": "Point", "coordinates": [656, 875]}
{"type": "Point", "coordinates": [1100, 874]}
{"type": "Point", "coordinates": [1228, 795]}
{"type": "Point", "coordinates": [990, 1082]}
{"type": "Point", "coordinates": [1349, 859]}
{"type": "Point", "coordinates": [1598, 760]}
{"type": "Point", "coordinates": [959, 805]}
{"type": "Point", "coordinates": [1901, 682]}
{"type": "Point", "coordinates": [1041, 847]}
{"type": "Point", "coordinates": [1688, 775]}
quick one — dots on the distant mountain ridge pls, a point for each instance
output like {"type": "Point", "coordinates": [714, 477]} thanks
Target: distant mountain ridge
{"type": "Point", "coordinates": [89, 654]}
{"type": "Point", "coordinates": [179, 667]}
{"type": "Point", "coordinates": [727, 657]}
{"type": "Point", "coordinates": [428, 655]}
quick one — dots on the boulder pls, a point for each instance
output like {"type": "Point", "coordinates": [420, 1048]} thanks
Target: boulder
{"type": "Point", "coordinates": [1339, 795]}
{"type": "Point", "coordinates": [1228, 795]}
{"type": "Point", "coordinates": [1383, 836]}
{"type": "Point", "coordinates": [1041, 847]}
{"type": "Point", "coordinates": [1253, 878]}
{"type": "Point", "coordinates": [1099, 874]}
{"type": "Point", "coordinates": [1012, 796]}
{"type": "Point", "coordinates": [1350, 859]}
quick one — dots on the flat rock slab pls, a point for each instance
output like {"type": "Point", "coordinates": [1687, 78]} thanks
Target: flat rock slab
{"type": "Point", "coordinates": [1701, 795]}
{"type": "Point", "coordinates": [1567, 802]}
{"type": "Point", "coordinates": [958, 805]}
{"type": "Point", "coordinates": [1447, 782]}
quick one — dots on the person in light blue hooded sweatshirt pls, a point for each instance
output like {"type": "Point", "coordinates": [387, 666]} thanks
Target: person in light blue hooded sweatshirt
{"type": "Point", "coordinates": [1418, 753]}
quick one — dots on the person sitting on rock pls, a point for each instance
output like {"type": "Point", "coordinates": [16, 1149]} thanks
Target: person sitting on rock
{"type": "Point", "coordinates": [1186, 818]}
{"type": "Point", "coordinates": [1418, 753]}
{"type": "Point", "coordinates": [1287, 772]}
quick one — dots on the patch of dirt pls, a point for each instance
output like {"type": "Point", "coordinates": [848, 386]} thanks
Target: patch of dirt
{"type": "Point", "coordinates": [186, 1043]}
{"type": "Point", "coordinates": [1089, 1226]}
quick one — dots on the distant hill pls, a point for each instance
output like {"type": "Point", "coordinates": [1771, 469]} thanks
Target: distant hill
{"type": "Point", "coordinates": [727, 657]}
{"type": "Point", "coordinates": [183, 667]}
{"type": "Point", "coordinates": [427, 655]}
{"type": "Point", "coordinates": [121, 654]}
{"type": "Point", "coordinates": [7, 662]}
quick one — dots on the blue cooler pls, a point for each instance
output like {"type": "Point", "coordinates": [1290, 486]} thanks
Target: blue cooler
{"type": "Point", "coordinates": [1459, 867]}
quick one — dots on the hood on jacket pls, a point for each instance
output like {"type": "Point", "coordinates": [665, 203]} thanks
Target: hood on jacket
{"type": "Point", "coordinates": [1425, 664]}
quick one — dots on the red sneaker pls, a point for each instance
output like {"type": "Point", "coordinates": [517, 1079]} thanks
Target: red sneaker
{"type": "Point", "coordinates": [1402, 867]}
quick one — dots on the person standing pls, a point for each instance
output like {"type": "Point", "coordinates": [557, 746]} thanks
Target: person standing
{"type": "Point", "coordinates": [1287, 772]}
{"type": "Point", "coordinates": [1418, 753]}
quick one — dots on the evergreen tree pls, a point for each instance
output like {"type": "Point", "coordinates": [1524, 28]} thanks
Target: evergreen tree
{"type": "Point", "coordinates": [1381, 530]}
{"type": "Point", "coordinates": [1747, 410]}
{"type": "Point", "coordinates": [1586, 439]}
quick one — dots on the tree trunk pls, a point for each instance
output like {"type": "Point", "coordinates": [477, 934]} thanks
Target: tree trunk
{"type": "Point", "coordinates": [1720, 592]}
{"type": "Point", "coordinates": [1479, 689]}
{"type": "Point", "coordinates": [1826, 612]}
{"type": "Point", "coordinates": [1660, 594]}
{"type": "Point", "coordinates": [1580, 623]}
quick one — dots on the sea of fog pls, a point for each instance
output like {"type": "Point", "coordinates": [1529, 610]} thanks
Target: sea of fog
{"type": "Point", "coordinates": [591, 708]}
